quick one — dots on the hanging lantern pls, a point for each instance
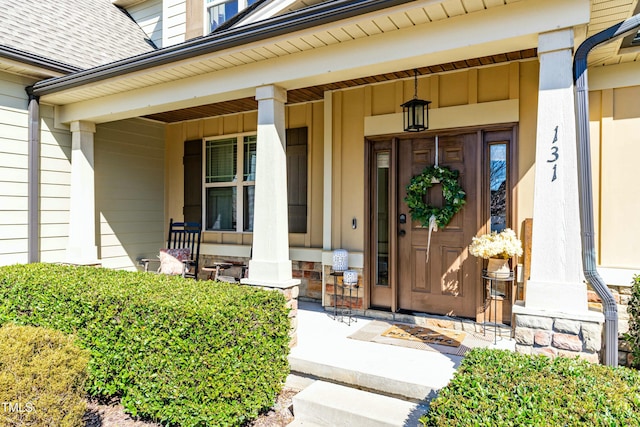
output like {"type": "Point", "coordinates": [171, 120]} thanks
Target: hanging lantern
{"type": "Point", "coordinates": [416, 111]}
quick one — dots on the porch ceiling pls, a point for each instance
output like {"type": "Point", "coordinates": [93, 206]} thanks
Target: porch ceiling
{"type": "Point", "coordinates": [433, 36]}
{"type": "Point", "coordinates": [603, 15]}
{"type": "Point", "coordinates": [316, 93]}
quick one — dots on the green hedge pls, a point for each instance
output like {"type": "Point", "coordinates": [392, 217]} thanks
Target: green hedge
{"type": "Point", "coordinates": [501, 388]}
{"type": "Point", "coordinates": [178, 351]}
{"type": "Point", "coordinates": [42, 378]}
{"type": "Point", "coordinates": [633, 335]}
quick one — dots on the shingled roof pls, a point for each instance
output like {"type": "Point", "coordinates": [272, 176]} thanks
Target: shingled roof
{"type": "Point", "coordinates": [83, 34]}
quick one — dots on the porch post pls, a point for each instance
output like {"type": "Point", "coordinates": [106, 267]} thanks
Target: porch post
{"type": "Point", "coordinates": [82, 247]}
{"type": "Point", "coordinates": [556, 281]}
{"type": "Point", "coordinates": [555, 319]}
{"type": "Point", "coordinates": [270, 263]}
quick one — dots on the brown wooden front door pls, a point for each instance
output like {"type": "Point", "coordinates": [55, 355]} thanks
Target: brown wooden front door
{"type": "Point", "coordinates": [448, 283]}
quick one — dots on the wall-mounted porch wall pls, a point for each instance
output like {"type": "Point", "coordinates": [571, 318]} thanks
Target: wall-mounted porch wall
{"type": "Point", "coordinates": [129, 182]}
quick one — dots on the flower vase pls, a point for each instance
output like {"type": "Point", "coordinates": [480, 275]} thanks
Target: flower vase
{"type": "Point", "coordinates": [498, 268]}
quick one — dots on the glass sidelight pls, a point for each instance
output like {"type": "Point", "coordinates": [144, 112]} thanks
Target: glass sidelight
{"type": "Point", "coordinates": [498, 185]}
{"type": "Point", "coordinates": [381, 221]}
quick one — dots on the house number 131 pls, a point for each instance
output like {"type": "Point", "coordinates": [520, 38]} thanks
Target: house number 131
{"type": "Point", "coordinates": [554, 154]}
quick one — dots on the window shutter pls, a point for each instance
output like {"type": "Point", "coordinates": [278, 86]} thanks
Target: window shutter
{"type": "Point", "coordinates": [192, 161]}
{"type": "Point", "coordinates": [297, 179]}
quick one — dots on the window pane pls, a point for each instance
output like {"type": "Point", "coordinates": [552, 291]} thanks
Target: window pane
{"type": "Point", "coordinates": [498, 186]}
{"type": "Point", "coordinates": [221, 208]}
{"type": "Point", "coordinates": [249, 196]}
{"type": "Point", "coordinates": [221, 160]}
{"type": "Point", "coordinates": [250, 158]}
{"type": "Point", "coordinates": [382, 219]}
{"type": "Point", "coordinates": [221, 12]}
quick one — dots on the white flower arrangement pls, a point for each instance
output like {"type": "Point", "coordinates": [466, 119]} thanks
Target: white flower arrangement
{"type": "Point", "coordinates": [502, 245]}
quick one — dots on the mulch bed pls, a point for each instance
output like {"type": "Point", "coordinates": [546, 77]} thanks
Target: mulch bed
{"type": "Point", "coordinates": [111, 414]}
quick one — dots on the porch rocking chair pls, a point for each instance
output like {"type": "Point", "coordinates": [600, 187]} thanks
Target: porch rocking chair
{"type": "Point", "coordinates": [181, 256]}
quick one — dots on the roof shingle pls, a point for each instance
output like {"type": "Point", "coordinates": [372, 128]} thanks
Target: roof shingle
{"type": "Point", "coordinates": [84, 33]}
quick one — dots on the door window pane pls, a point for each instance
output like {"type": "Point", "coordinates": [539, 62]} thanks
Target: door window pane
{"type": "Point", "coordinates": [221, 208]}
{"type": "Point", "coordinates": [221, 160]}
{"type": "Point", "coordinates": [382, 219]}
{"type": "Point", "coordinates": [498, 186]}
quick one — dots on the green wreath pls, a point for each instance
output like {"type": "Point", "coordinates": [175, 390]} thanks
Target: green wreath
{"type": "Point", "coordinates": [453, 194]}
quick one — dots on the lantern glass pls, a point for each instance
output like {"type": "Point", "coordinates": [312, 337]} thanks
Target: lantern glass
{"type": "Point", "coordinates": [340, 260]}
{"type": "Point", "coordinates": [416, 115]}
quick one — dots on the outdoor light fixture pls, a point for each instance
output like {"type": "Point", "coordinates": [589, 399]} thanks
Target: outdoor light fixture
{"type": "Point", "coordinates": [416, 111]}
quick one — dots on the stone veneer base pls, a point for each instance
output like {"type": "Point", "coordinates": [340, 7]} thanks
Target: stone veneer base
{"type": "Point", "coordinates": [291, 290]}
{"type": "Point", "coordinates": [555, 333]}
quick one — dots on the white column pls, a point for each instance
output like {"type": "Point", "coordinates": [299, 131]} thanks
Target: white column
{"type": "Point", "coordinates": [270, 263]}
{"type": "Point", "coordinates": [556, 282]}
{"type": "Point", "coordinates": [82, 247]}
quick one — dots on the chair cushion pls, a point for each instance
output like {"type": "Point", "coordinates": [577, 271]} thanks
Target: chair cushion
{"type": "Point", "coordinates": [171, 260]}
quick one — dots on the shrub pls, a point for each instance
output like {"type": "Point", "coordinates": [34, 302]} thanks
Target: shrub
{"type": "Point", "coordinates": [178, 351]}
{"type": "Point", "coordinates": [501, 388]}
{"type": "Point", "coordinates": [633, 335]}
{"type": "Point", "coordinates": [42, 377]}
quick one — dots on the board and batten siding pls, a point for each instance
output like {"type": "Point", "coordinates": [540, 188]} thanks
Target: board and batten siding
{"type": "Point", "coordinates": [148, 15]}
{"type": "Point", "coordinates": [174, 24]}
{"type": "Point", "coordinates": [13, 169]}
{"type": "Point", "coordinates": [129, 179]}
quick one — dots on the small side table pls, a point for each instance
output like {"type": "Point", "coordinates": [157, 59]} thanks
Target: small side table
{"type": "Point", "coordinates": [215, 269]}
{"type": "Point", "coordinates": [342, 308]}
{"type": "Point", "coordinates": [493, 294]}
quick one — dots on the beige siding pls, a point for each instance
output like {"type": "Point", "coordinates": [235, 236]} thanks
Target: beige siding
{"type": "Point", "coordinates": [13, 169]}
{"type": "Point", "coordinates": [148, 15]}
{"type": "Point", "coordinates": [129, 164]}
{"type": "Point", "coordinates": [55, 190]}
{"type": "Point", "coordinates": [618, 116]}
{"type": "Point", "coordinates": [174, 22]}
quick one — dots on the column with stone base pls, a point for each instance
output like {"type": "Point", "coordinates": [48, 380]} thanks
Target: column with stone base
{"type": "Point", "coordinates": [556, 293]}
{"type": "Point", "coordinates": [270, 263]}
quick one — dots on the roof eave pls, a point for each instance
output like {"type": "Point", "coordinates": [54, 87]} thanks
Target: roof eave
{"type": "Point", "coordinates": [36, 60]}
{"type": "Point", "coordinates": [322, 13]}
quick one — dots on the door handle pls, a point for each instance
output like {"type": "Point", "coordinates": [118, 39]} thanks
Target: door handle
{"type": "Point", "coordinates": [402, 233]}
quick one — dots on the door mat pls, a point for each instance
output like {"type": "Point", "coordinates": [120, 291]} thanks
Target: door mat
{"type": "Point", "coordinates": [425, 335]}
{"type": "Point", "coordinates": [375, 330]}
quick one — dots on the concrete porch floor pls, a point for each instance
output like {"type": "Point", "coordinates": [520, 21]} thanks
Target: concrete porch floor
{"type": "Point", "coordinates": [325, 352]}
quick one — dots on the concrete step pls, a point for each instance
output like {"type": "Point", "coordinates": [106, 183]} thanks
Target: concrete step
{"type": "Point", "coordinates": [298, 423]}
{"type": "Point", "coordinates": [354, 377]}
{"type": "Point", "coordinates": [328, 404]}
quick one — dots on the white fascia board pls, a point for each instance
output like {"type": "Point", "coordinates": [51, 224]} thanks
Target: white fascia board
{"type": "Point", "coordinates": [614, 76]}
{"type": "Point", "coordinates": [512, 27]}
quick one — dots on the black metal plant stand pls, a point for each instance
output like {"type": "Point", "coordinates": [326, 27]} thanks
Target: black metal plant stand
{"type": "Point", "coordinates": [343, 309]}
{"type": "Point", "coordinates": [493, 294]}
